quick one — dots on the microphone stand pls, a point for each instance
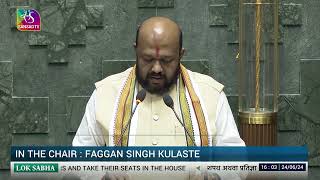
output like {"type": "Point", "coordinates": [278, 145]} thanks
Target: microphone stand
{"type": "Point", "coordinates": [127, 125]}
{"type": "Point", "coordinates": [175, 113]}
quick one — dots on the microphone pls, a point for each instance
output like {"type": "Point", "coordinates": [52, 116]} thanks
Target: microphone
{"type": "Point", "coordinates": [139, 98]}
{"type": "Point", "coordinates": [169, 102]}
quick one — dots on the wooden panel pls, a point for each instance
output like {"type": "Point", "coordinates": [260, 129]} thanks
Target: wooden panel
{"type": "Point", "coordinates": [259, 134]}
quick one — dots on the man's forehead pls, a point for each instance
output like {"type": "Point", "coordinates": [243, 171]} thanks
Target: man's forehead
{"type": "Point", "coordinates": [150, 44]}
{"type": "Point", "coordinates": [158, 51]}
{"type": "Point", "coordinates": [153, 38]}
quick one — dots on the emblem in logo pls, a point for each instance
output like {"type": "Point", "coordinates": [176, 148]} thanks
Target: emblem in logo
{"type": "Point", "coordinates": [28, 20]}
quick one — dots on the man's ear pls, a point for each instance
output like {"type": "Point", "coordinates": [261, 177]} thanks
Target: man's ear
{"type": "Point", "coordinates": [182, 51]}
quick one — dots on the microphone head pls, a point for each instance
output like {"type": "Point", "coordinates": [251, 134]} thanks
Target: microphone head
{"type": "Point", "coordinates": [168, 101]}
{"type": "Point", "coordinates": [140, 96]}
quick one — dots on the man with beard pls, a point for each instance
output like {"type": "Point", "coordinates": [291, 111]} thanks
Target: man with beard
{"type": "Point", "coordinates": [198, 99]}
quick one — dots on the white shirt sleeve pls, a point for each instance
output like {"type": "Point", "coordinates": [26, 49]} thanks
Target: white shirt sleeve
{"type": "Point", "coordinates": [227, 132]}
{"type": "Point", "coordinates": [89, 133]}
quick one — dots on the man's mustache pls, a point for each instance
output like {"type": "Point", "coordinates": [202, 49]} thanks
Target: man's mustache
{"type": "Point", "coordinates": [156, 76]}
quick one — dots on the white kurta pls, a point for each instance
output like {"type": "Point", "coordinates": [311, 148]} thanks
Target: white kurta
{"type": "Point", "coordinates": [89, 132]}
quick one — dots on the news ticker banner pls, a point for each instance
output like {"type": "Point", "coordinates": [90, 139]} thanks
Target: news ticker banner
{"type": "Point", "coordinates": [217, 161]}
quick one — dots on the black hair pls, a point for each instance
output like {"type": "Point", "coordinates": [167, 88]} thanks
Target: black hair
{"type": "Point", "coordinates": [180, 38]}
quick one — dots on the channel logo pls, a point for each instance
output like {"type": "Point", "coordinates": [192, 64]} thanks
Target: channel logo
{"type": "Point", "coordinates": [28, 20]}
